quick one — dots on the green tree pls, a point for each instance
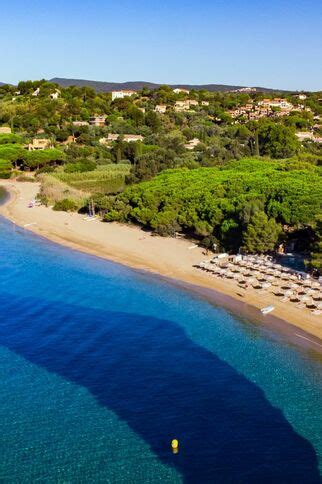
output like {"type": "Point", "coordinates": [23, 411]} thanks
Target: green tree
{"type": "Point", "coordinates": [261, 234]}
{"type": "Point", "coordinates": [152, 120]}
{"type": "Point", "coordinates": [277, 141]}
{"type": "Point", "coordinates": [38, 159]}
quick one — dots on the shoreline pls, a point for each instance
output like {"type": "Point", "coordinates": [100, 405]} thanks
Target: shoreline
{"type": "Point", "coordinates": [164, 258]}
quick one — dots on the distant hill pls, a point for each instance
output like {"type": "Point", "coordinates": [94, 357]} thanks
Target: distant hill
{"type": "Point", "coordinates": [136, 85]}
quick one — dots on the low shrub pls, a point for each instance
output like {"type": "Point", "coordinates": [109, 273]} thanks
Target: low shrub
{"type": "Point", "coordinates": [66, 205]}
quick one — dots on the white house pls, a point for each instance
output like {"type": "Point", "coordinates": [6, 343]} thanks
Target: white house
{"type": "Point", "coordinates": [55, 95]}
{"type": "Point", "coordinates": [80, 123]}
{"type": "Point", "coordinates": [160, 108]}
{"type": "Point", "coordinates": [133, 138]}
{"type": "Point", "coordinates": [301, 96]}
{"type": "Point", "coordinates": [179, 90]}
{"type": "Point", "coordinates": [192, 144]}
{"type": "Point", "coordinates": [123, 93]}
{"type": "Point", "coordinates": [128, 138]}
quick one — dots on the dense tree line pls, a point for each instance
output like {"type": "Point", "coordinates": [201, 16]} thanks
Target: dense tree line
{"type": "Point", "coordinates": [249, 203]}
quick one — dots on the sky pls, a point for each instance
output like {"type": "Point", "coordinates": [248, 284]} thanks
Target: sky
{"type": "Point", "coordinates": [270, 43]}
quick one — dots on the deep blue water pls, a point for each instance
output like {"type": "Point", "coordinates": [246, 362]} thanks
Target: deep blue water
{"type": "Point", "coordinates": [101, 366]}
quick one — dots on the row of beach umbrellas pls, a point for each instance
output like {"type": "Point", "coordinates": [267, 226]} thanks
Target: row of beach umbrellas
{"type": "Point", "coordinates": [288, 286]}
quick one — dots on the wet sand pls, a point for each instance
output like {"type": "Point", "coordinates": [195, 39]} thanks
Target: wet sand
{"type": "Point", "coordinates": [170, 258]}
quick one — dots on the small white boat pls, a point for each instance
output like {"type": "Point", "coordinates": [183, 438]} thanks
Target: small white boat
{"type": "Point", "coordinates": [267, 310]}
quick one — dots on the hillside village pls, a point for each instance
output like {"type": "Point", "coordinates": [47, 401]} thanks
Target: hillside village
{"type": "Point", "coordinates": [188, 116]}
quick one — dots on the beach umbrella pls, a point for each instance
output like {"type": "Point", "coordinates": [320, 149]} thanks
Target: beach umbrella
{"type": "Point", "coordinates": [294, 298]}
{"type": "Point", "coordinates": [286, 286]}
{"type": "Point", "coordinates": [266, 285]}
{"type": "Point", "coordinates": [311, 304]}
{"type": "Point", "coordinates": [299, 282]}
{"type": "Point", "coordinates": [315, 288]}
{"type": "Point", "coordinates": [244, 270]}
{"type": "Point", "coordinates": [252, 280]}
{"type": "Point", "coordinates": [229, 275]}
{"type": "Point", "coordinates": [294, 285]}
{"type": "Point", "coordinates": [284, 277]}
{"type": "Point", "coordinates": [236, 276]}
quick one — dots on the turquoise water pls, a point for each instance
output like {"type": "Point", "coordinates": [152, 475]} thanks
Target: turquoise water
{"type": "Point", "coordinates": [101, 366]}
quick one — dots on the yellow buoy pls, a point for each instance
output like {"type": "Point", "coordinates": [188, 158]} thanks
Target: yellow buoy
{"type": "Point", "coordinates": [175, 445]}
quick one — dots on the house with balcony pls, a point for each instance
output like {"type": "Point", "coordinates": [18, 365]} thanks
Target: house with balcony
{"type": "Point", "coordinates": [98, 121]}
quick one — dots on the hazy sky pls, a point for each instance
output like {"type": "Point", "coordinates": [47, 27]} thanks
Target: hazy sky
{"type": "Point", "coordinates": [273, 43]}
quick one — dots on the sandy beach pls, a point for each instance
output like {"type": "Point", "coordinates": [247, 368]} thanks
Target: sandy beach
{"type": "Point", "coordinates": [172, 258]}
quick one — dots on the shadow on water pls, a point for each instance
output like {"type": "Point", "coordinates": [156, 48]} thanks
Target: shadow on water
{"type": "Point", "coordinates": [163, 385]}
